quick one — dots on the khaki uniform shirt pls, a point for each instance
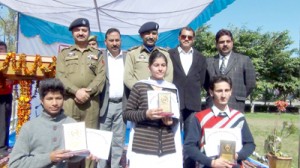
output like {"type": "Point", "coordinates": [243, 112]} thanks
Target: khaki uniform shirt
{"type": "Point", "coordinates": [136, 65]}
{"type": "Point", "coordinates": [78, 69]}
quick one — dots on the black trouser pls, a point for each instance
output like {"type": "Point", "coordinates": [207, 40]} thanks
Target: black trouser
{"type": "Point", "coordinates": [187, 115]}
{"type": "Point", "coordinates": [5, 114]}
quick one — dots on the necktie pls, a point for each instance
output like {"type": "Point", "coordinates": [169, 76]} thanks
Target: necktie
{"type": "Point", "coordinates": [222, 114]}
{"type": "Point", "coordinates": [222, 68]}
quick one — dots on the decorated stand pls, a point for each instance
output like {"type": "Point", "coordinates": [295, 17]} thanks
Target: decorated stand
{"type": "Point", "coordinates": [24, 69]}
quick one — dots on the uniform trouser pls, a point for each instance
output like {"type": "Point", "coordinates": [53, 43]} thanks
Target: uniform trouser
{"type": "Point", "coordinates": [5, 114]}
{"type": "Point", "coordinates": [87, 112]}
{"type": "Point", "coordinates": [113, 121]}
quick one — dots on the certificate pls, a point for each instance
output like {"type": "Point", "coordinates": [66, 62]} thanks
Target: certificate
{"type": "Point", "coordinates": [75, 136]}
{"type": "Point", "coordinates": [99, 142]}
{"type": "Point", "coordinates": [213, 137]}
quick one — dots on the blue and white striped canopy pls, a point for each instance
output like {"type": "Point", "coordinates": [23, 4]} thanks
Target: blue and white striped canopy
{"type": "Point", "coordinates": [49, 20]}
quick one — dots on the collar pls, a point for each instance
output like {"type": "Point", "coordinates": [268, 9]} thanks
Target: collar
{"type": "Point", "coordinates": [147, 48]}
{"type": "Point", "coordinates": [226, 56]}
{"type": "Point", "coordinates": [159, 83]}
{"type": "Point", "coordinates": [180, 50]}
{"type": "Point", "coordinates": [58, 117]}
{"type": "Point", "coordinates": [120, 54]}
{"type": "Point", "coordinates": [216, 110]}
{"type": "Point", "coordinates": [75, 47]}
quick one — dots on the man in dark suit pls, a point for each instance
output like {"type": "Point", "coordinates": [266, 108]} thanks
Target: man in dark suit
{"type": "Point", "coordinates": [111, 118]}
{"type": "Point", "coordinates": [189, 75]}
{"type": "Point", "coordinates": [236, 66]}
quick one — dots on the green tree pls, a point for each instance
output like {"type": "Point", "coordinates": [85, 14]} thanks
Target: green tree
{"type": "Point", "coordinates": [277, 71]}
{"type": "Point", "coordinates": [8, 24]}
{"type": "Point", "coordinates": [205, 41]}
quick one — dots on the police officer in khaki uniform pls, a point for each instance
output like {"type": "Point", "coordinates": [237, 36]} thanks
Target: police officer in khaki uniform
{"type": "Point", "coordinates": [93, 41]}
{"type": "Point", "coordinates": [136, 64]}
{"type": "Point", "coordinates": [81, 69]}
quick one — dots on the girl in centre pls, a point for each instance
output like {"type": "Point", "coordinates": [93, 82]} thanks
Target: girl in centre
{"type": "Point", "coordinates": [155, 140]}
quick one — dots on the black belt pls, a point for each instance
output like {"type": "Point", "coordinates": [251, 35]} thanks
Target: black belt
{"type": "Point", "coordinates": [115, 100]}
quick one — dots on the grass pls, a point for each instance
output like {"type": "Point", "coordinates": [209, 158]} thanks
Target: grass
{"type": "Point", "coordinates": [262, 124]}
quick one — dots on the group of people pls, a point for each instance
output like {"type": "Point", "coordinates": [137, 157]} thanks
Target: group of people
{"type": "Point", "coordinates": [108, 89]}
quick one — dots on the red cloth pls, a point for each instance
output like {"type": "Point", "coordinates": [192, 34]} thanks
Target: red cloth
{"type": "Point", "coordinates": [8, 88]}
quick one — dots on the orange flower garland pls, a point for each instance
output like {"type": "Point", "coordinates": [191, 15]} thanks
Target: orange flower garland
{"type": "Point", "coordinates": [24, 105]}
{"type": "Point", "coordinates": [18, 65]}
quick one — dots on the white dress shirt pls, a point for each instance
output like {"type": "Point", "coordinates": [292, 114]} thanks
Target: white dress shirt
{"type": "Point", "coordinates": [216, 110]}
{"type": "Point", "coordinates": [186, 59]}
{"type": "Point", "coordinates": [115, 73]}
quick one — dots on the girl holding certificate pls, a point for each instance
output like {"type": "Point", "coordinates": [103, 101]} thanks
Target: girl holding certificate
{"type": "Point", "coordinates": [153, 109]}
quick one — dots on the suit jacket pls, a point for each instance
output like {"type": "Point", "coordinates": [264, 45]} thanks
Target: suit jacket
{"type": "Point", "coordinates": [104, 95]}
{"type": "Point", "coordinates": [242, 73]}
{"type": "Point", "coordinates": [189, 86]}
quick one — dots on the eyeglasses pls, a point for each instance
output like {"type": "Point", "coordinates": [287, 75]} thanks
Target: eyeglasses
{"type": "Point", "coordinates": [183, 37]}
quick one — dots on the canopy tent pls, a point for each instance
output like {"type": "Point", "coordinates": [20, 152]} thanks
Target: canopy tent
{"type": "Point", "coordinates": [44, 24]}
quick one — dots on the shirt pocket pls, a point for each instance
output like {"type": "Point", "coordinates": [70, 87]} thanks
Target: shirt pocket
{"type": "Point", "coordinates": [71, 64]}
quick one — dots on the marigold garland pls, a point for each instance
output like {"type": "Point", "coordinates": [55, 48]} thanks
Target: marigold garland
{"type": "Point", "coordinates": [19, 66]}
{"type": "Point", "coordinates": [24, 105]}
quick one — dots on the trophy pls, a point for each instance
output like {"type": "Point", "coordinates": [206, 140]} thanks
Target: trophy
{"type": "Point", "coordinates": [227, 150]}
{"type": "Point", "coordinates": [164, 102]}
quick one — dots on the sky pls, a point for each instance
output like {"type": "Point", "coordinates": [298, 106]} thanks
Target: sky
{"type": "Point", "coordinates": [269, 15]}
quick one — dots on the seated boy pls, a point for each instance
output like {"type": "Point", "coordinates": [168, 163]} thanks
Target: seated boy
{"type": "Point", "coordinates": [40, 142]}
{"type": "Point", "coordinates": [219, 116]}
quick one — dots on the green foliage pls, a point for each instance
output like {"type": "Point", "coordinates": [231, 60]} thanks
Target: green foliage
{"type": "Point", "coordinates": [273, 142]}
{"type": "Point", "coordinates": [205, 42]}
{"type": "Point", "coordinates": [9, 25]}
{"type": "Point", "coordinates": [277, 72]}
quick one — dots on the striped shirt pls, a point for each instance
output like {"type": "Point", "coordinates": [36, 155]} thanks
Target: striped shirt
{"type": "Point", "coordinates": [207, 119]}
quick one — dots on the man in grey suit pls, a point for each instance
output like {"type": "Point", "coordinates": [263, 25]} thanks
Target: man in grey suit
{"type": "Point", "coordinates": [189, 67]}
{"type": "Point", "coordinates": [111, 118]}
{"type": "Point", "coordinates": [236, 66]}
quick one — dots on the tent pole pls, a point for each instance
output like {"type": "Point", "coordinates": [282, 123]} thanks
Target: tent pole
{"type": "Point", "coordinates": [97, 15]}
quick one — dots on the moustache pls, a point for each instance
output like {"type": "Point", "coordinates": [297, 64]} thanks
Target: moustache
{"type": "Point", "coordinates": [149, 39]}
{"type": "Point", "coordinates": [225, 47]}
{"type": "Point", "coordinates": [115, 47]}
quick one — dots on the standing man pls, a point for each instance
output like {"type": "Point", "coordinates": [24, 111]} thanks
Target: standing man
{"type": "Point", "coordinates": [219, 116]}
{"type": "Point", "coordinates": [6, 89]}
{"type": "Point", "coordinates": [111, 118]}
{"type": "Point", "coordinates": [189, 75]}
{"type": "Point", "coordinates": [93, 42]}
{"type": "Point", "coordinates": [81, 68]}
{"type": "Point", "coordinates": [236, 66]}
{"type": "Point", "coordinates": [136, 64]}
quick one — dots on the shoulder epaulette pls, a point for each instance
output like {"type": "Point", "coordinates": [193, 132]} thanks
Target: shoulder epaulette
{"type": "Point", "coordinates": [164, 49]}
{"type": "Point", "coordinates": [135, 47]}
{"type": "Point", "coordinates": [66, 48]}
